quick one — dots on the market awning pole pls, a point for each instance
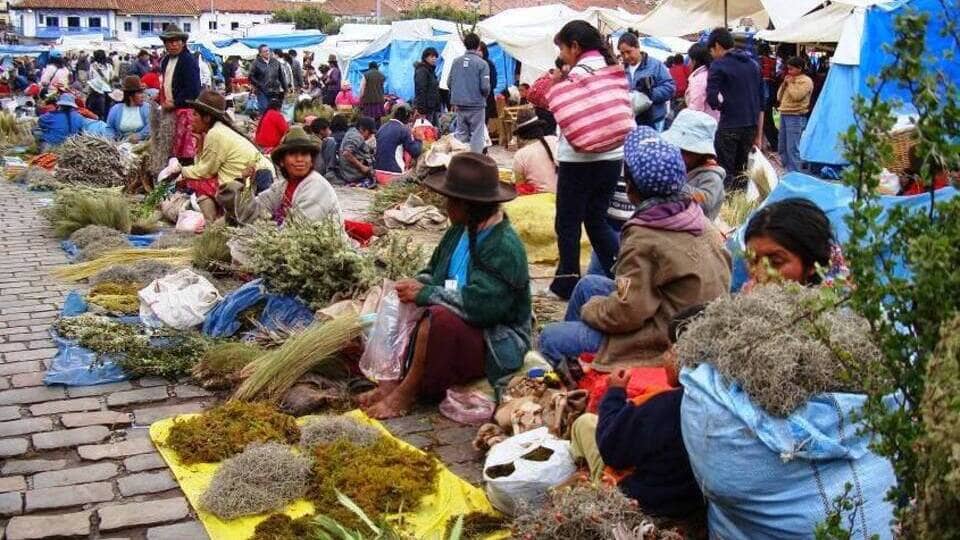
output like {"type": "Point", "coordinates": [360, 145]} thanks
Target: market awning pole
{"type": "Point", "coordinates": [726, 25]}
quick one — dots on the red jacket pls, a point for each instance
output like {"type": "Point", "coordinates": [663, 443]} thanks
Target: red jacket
{"type": "Point", "coordinates": [271, 129]}
{"type": "Point", "coordinates": [680, 74]}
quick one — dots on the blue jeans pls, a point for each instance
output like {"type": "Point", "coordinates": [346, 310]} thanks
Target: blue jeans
{"type": "Point", "coordinates": [472, 128]}
{"type": "Point", "coordinates": [595, 268]}
{"type": "Point", "coordinates": [573, 337]}
{"type": "Point", "coordinates": [262, 102]}
{"type": "Point", "coordinates": [788, 145]}
{"type": "Point", "coordinates": [262, 179]}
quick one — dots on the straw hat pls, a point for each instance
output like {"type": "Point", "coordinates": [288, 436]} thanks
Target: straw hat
{"type": "Point", "coordinates": [472, 177]}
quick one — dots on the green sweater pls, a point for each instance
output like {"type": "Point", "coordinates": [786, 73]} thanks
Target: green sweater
{"type": "Point", "coordinates": [486, 301]}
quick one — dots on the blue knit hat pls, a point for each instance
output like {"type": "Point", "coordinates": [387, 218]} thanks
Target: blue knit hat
{"type": "Point", "coordinates": [656, 166]}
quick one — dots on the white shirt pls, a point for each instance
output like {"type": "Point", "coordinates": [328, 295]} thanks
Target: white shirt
{"type": "Point", "coordinates": [168, 78]}
{"type": "Point", "coordinates": [100, 76]}
{"type": "Point", "coordinates": [130, 120]}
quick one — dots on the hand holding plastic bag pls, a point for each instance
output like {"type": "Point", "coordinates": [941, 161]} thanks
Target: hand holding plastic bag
{"type": "Point", "coordinates": [386, 347]}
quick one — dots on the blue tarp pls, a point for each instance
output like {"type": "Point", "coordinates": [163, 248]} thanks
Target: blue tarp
{"type": "Point", "coordinates": [302, 38]}
{"type": "Point", "coordinates": [136, 240]}
{"type": "Point", "coordinates": [831, 197]}
{"type": "Point", "coordinates": [224, 319]}
{"type": "Point", "coordinates": [74, 365]}
{"type": "Point", "coordinates": [22, 50]}
{"type": "Point", "coordinates": [833, 113]}
{"type": "Point", "coordinates": [397, 59]}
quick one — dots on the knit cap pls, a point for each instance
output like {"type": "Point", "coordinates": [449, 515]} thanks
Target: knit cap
{"type": "Point", "coordinates": [656, 166]}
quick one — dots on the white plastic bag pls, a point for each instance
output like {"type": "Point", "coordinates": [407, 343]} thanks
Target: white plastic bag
{"type": "Point", "coordinates": [763, 177]}
{"type": "Point", "coordinates": [639, 102]}
{"type": "Point", "coordinates": [386, 348]}
{"type": "Point", "coordinates": [530, 479]}
{"type": "Point", "coordinates": [190, 221]}
{"type": "Point", "coordinates": [179, 300]}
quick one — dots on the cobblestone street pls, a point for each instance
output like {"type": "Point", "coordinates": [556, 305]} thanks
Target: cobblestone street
{"type": "Point", "coordinates": [78, 462]}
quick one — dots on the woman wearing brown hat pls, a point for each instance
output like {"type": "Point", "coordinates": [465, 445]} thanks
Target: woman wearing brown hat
{"type": "Point", "coordinates": [130, 119]}
{"type": "Point", "coordinates": [476, 291]}
{"type": "Point", "coordinates": [535, 163]}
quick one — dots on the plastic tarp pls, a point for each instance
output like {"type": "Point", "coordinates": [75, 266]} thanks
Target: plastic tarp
{"type": "Point", "coordinates": [293, 40]}
{"type": "Point", "coordinates": [74, 365]}
{"type": "Point", "coordinates": [684, 17]}
{"type": "Point", "coordinates": [820, 142]}
{"type": "Point", "coordinates": [834, 199]}
{"type": "Point", "coordinates": [23, 50]}
{"type": "Point", "coordinates": [453, 496]}
{"type": "Point", "coordinates": [821, 26]}
{"type": "Point", "coordinates": [797, 465]}
{"type": "Point", "coordinates": [784, 13]}
{"type": "Point", "coordinates": [224, 319]}
{"type": "Point", "coordinates": [527, 35]}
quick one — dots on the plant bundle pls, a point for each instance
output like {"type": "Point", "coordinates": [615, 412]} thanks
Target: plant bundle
{"type": "Point", "coordinates": [264, 477]}
{"type": "Point", "coordinates": [115, 297]}
{"type": "Point", "coordinates": [96, 248]}
{"type": "Point", "coordinates": [161, 139]}
{"type": "Point", "coordinates": [283, 527]}
{"type": "Point", "coordinates": [14, 132]}
{"type": "Point", "coordinates": [783, 344]}
{"type": "Point", "coordinates": [396, 193]}
{"type": "Point", "coordinates": [92, 233]}
{"type": "Point", "coordinates": [145, 223]}
{"type": "Point", "coordinates": [381, 478]}
{"type": "Point", "coordinates": [220, 366]}
{"type": "Point", "coordinates": [587, 512]}
{"type": "Point", "coordinates": [76, 272]}
{"type": "Point", "coordinates": [328, 428]}
{"type": "Point", "coordinates": [73, 209]}
{"type": "Point", "coordinates": [226, 430]}
{"type": "Point", "coordinates": [90, 160]}
{"type": "Point", "coordinates": [313, 260]}
{"type": "Point", "coordinates": [37, 179]}
{"type": "Point", "coordinates": [314, 107]}
{"type": "Point", "coordinates": [210, 250]}
{"type": "Point", "coordinates": [478, 524]}
{"type": "Point", "coordinates": [277, 370]}
{"type": "Point", "coordinates": [736, 208]}
{"type": "Point", "coordinates": [396, 257]}
{"type": "Point", "coordinates": [140, 273]}
{"type": "Point", "coordinates": [174, 239]}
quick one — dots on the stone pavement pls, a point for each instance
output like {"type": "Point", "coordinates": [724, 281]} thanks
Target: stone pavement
{"type": "Point", "coordinates": [77, 462]}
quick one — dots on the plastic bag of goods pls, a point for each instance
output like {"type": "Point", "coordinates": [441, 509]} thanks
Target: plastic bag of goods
{"type": "Point", "coordinates": [385, 349]}
{"type": "Point", "coordinates": [179, 300]}
{"type": "Point", "coordinates": [524, 467]}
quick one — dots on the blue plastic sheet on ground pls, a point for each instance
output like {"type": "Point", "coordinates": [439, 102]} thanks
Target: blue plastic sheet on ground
{"type": "Point", "coordinates": [74, 365]}
{"type": "Point", "coordinates": [71, 249]}
{"type": "Point", "coordinates": [224, 319]}
{"type": "Point", "coordinates": [74, 304]}
{"type": "Point", "coordinates": [136, 240]}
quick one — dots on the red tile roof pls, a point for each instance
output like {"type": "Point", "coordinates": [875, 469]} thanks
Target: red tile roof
{"type": "Point", "coordinates": [158, 7]}
{"type": "Point", "coordinates": [189, 8]}
{"type": "Point", "coordinates": [66, 4]}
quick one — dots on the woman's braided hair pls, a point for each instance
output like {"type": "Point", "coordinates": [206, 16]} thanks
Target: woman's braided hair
{"type": "Point", "coordinates": [477, 213]}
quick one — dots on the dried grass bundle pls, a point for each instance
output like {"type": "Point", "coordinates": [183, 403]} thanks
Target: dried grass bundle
{"type": "Point", "coordinates": [161, 139]}
{"type": "Point", "coordinates": [91, 233]}
{"type": "Point", "coordinates": [588, 512]}
{"type": "Point", "coordinates": [220, 367]}
{"type": "Point", "coordinates": [76, 272]}
{"type": "Point", "coordinates": [90, 160]}
{"type": "Point", "coordinates": [115, 297]}
{"type": "Point", "coordinates": [174, 239]}
{"type": "Point", "coordinates": [736, 208]}
{"type": "Point", "coordinates": [328, 428]}
{"type": "Point", "coordinates": [37, 179]}
{"type": "Point", "coordinates": [146, 223]}
{"type": "Point", "coordinates": [14, 131]}
{"type": "Point", "coordinates": [210, 250]}
{"type": "Point", "coordinates": [73, 209]}
{"type": "Point", "coordinates": [96, 248]}
{"type": "Point", "coordinates": [264, 477]}
{"type": "Point", "coordinates": [781, 345]}
{"type": "Point", "coordinates": [277, 370]}
{"type": "Point", "coordinates": [140, 273]}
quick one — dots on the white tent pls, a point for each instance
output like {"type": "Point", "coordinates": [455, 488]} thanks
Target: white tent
{"type": "Point", "coordinates": [526, 34]}
{"type": "Point", "coordinates": [824, 25]}
{"type": "Point", "coordinates": [684, 17]}
{"type": "Point", "coordinates": [350, 42]}
{"type": "Point", "coordinates": [270, 29]}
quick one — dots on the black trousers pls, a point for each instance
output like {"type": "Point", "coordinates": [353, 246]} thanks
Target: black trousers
{"type": "Point", "coordinates": [733, 147]}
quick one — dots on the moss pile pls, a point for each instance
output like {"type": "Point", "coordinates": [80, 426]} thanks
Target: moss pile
{"type": "Point", "coordinates": [381, 478]}
{"type": "Point", "coordinates": [225, 431]}
{"type": "Point", "coordinates": [220, 366]}
{"type": "Point", "coordinates": [115, 297]}
{"type": "Point", "coordinates": [282, 527]}
{"type": "Point", "coordinates": [210, 250]}
{"type": "Point", "coordinates": [326, 429]}
{"type": "Point", "coordinates": [141, 273]}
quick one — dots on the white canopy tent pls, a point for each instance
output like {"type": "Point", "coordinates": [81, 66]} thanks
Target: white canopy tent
{"type": "Point", "coordinates": [350, 42]}
{"type": "Point", "coordinates": [685, 17]}
{"type": "Point", "coordinates": [824, 25]}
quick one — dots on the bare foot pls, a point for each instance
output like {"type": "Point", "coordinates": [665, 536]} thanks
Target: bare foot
{"type": "Point", "coordinates": [391, 406]}
{"type": "Point", "coordinates": [384, 389]}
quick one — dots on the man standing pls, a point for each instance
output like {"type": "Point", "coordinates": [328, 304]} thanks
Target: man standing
{"type": "Point", "coordinates": [266, 77]}
{"type": "Point", "coordinates": [469, 87]}
{"type": "Point", "coordinates": [426, 87]}
{"type": "Point", "coordinates": [736, 77]}
{"type": "Point", "coordinates": [297, 69]}
{"type": "Point", "coordinates": [180, 84]}
{"type": "Point", "coordinates": [83, 67]}
{"type": "Point", "coordinates": [372, 93]}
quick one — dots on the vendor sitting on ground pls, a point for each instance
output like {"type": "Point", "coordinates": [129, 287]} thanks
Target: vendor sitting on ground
{"type": "Point", "coordinates": [393, 139]}
{"type": "Point", "coordinates": [694, 132]}
{"type": "Point", "coordinates": [326, 161]}
{"type": "Point", "coordinates": [535, 163]}
{"type": "Point", "coordinates": [272, 126]}
{"type": "Point", "coordinates": [299, 188]}
{"type": "Point", "coordinates": [476, 291]}
{"type": "Point", "coordinates": [130, 119]}
{"type": "Point", "coordinates": [58, 125]}
{"type": "Point", "coordinates": [226, 155]}
{"type": "Point", "coordinates": [356, 156]}
{"type": "Point", "coordinates": [671, 257]}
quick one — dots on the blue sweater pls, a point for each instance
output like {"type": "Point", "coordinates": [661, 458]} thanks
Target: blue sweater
{"type": "Point", "coordinates": [57, 126]}
{"type": "Point", "coordinates": [653, 79]}
{"type": "Point", "coordinates": [469, 81]}
{"type": "Point", "coordinates": [392, 135]}
{"type": "Point", "coordinates": [737, 78]}
{"type": "Point", "coordinates": [647, 437]}
{"type": "Point", "coordinates": [116, 114]}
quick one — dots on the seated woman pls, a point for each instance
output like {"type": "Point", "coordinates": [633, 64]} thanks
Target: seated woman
{"type": "Point", "coordinates": [299, 188]}
{"type": "Point", "coordinates": [476, 291]}
{"type": "Point", "coordinates": [130, 119]}
{"type": "Point", "coordinates": [535, 163]}
{"type": "Point", "coordinates": [394, 138]}
{"type": "Point", "coordinates": [226, 155]}
{"type": "Point", "coordinates": [58, 125]}
{"type": "Point", "coordinates": [345, 99]}
{"type": "Point", "coordinates": [272, 126]}
{"type": "Point", "coordinates": [671, 257]}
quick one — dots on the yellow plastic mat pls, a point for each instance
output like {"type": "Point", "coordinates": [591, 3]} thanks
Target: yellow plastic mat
{"type": "Point", "coordinates": [532, 216]}
{"type": "Point", "coordinates": [453, 496]}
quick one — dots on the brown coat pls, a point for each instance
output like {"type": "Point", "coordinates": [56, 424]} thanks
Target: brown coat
{"type": "Point", "coordinates": [658, 274]}
{"type": "Point", "coordinates": [794, 95]}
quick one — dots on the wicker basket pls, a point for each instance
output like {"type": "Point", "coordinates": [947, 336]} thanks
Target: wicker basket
{"type": "Point", "coordinates": [903, 142]}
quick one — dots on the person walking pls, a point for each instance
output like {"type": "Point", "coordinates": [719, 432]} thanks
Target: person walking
{"type": "Point", "coordinates": [266, 77]}
{"type": "Point", "coordinates": [180, 84]}
{"type": "Point", "coordinates": [101, 73]}
{"type": "Point", "coordinates": [469, 87]}
{"type": "Point", "coordinates": [734, 75]}
{"type": "Point", "coordinates": [426, 86]}
{"type": "Point", "coordinates": [331, 82]}
{"type": "Point", "coordinates": [648, 76]}
{"type": "Point", "coordinates": [83, 67]}
{"type": "Point", "coordinates": [768, 71]}
{"type": "Point", "coordinates": [372, 93]}
{"type": "Point", "coordinates": [794, 97]}
{"type": "Point", "coordinates": [297, 69]}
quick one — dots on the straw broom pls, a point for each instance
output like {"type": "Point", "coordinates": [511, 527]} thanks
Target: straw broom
{"type": "Point", "coordinates": [276, 371]}
{"type": "Point", "coordinates": [76, 272]}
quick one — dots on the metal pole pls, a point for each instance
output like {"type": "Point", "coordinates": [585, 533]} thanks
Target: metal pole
{"type": "Point", "coordinates": [726, 25]}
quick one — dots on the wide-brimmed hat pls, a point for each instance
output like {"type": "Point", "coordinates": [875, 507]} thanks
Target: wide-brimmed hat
{"type": "Point", "coordinates": [656, 167]}
{"type": "Point", "coordinates": [67, 100]}
{"type": "Point", "coordinates": [295, 139]}
{"type": "Point", "coordinates": [174, 32]}
{"type": "Point", "coordinates": [212, 103]}
{"type": "Point", "coordinates": [332, 58]}
{"type": "Point", "coordinates": [131, 83]}
{"type": "Point", "coordinates": [529, 125]}
{"type": "Point", "coordinates": [693, 131]}
{"type": "Point", "coordinates": [472, 177]}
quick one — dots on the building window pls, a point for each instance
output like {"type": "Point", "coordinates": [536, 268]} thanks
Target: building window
{"type": "Point", "coordinates": [93, 22]}
{"type": "Point", "coordinates": [73, 22]}
{"type": "Point", "coordinates": [187, 27]}
{"type": "Point", "coordinates": [146, 27]}
{"type": "Point", "coordinates": [52, 21]}
{"type": "Point", "coordinates": [234, 25]}
{"type": "Point", "coordinates": [212, 25]}
{"type": "Point", "coordinates": [127, 26]}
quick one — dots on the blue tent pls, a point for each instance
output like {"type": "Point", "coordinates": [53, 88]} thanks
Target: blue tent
{"type": "Point", "coordinates": [833, 114]}
{"type": "Point", "coordinates": [296, 40]}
